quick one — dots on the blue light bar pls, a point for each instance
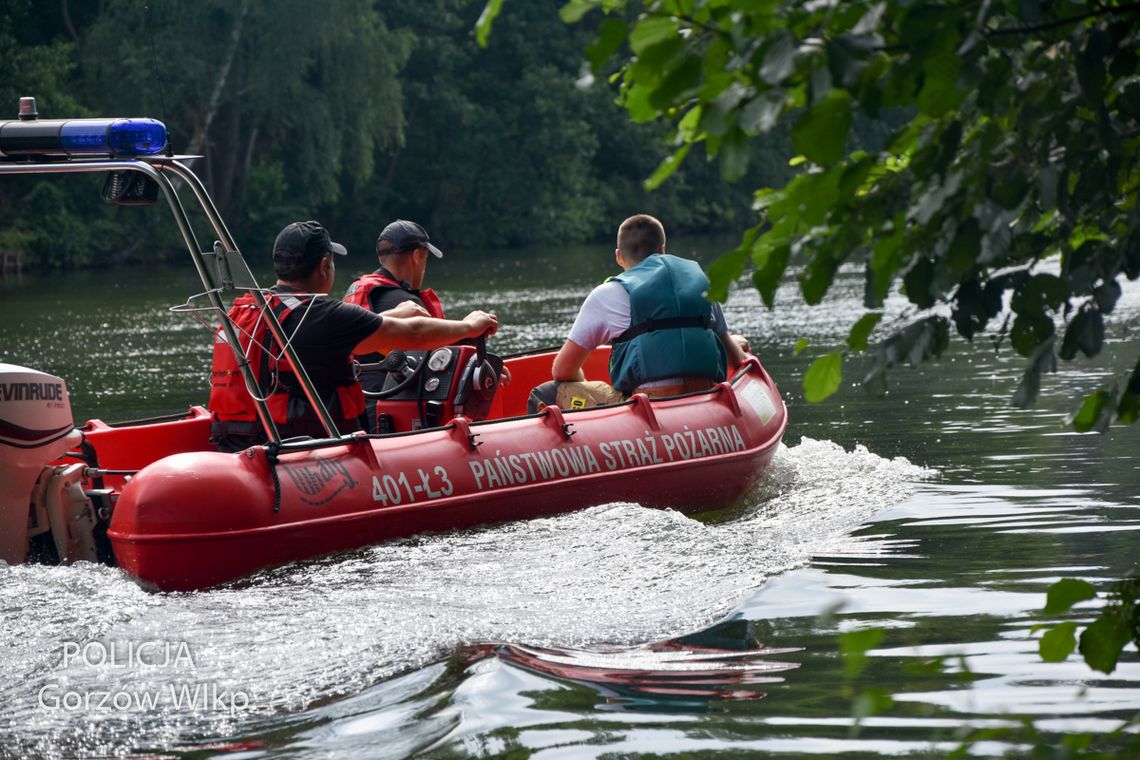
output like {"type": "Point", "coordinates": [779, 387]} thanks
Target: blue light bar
{"type": "Point", "coordinates": [82, 137]}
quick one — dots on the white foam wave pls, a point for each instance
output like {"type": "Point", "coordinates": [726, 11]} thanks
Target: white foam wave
{"type": "Point", "coordinates": [615, 574]}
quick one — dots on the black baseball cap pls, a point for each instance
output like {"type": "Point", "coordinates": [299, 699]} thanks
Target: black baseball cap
{"type": "Point", "coordinates": [405, 235]}
{"type": "Point", "coordinates": [306, 241]}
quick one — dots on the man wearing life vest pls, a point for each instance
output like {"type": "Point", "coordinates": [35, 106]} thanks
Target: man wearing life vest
{"type": "Point", "coordinates": [667, 337]}
{"type": "Point", "coordinates": [403, 249]}
{"type": "Point", "coordinates": [325, 334]}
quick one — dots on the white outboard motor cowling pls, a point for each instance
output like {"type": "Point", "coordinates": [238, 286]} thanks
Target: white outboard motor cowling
{"type": "Point", "coordinates": [36, 427]}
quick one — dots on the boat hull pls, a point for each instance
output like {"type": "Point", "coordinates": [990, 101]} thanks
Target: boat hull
{"type": "Point", "coordinates": [196, 519]}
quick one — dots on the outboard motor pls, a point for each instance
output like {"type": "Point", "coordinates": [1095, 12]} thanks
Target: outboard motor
{"type": "Point", "coordinates": [36, 427]}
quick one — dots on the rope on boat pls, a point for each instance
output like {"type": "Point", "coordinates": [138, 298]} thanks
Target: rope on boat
{"type": "Point", "coordinates": [271, 459]}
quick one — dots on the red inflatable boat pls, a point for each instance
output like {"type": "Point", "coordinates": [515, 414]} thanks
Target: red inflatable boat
{"type": "Point", "coordinates": [152, 497]}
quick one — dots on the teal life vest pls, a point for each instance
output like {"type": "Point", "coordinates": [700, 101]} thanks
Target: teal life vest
{"type": "Point", "coordinates": [671, 326]}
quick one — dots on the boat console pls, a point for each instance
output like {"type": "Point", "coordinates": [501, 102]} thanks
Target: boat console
{"type": "Point", "coordinates": [423, 389]}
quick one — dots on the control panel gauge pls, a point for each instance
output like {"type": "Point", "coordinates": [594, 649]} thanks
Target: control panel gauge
{"type": "Point", "coordinates": [439, 360]}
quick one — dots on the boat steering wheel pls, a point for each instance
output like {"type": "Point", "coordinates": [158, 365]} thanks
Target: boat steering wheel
{"type": "Point", "coordinates": [409, 367]}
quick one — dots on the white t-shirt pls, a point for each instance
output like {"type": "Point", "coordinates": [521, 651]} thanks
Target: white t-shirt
{"type": "Point", "coordinates": [605, 314]}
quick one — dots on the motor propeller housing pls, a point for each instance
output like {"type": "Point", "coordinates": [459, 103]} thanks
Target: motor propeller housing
{"type": "Point", "coordinates": [36, 427]}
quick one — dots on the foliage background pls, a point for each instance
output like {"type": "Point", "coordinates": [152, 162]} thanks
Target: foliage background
{"type": "Point", "coordinates": [352, 112]}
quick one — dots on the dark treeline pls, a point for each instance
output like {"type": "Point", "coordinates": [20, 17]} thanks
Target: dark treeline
{"type": "Point", "coordinates": [354, 112]}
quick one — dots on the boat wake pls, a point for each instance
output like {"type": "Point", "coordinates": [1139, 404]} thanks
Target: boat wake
{"type": "Point", "coordinates": [575, 597]}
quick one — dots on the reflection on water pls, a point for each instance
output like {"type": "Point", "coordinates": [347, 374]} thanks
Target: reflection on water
{"type": "Point", "coordinates": [939, 513]}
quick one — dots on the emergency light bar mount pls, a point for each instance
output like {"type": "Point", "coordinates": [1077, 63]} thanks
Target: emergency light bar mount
{"type": "Point", "coordinates": [30, 145]}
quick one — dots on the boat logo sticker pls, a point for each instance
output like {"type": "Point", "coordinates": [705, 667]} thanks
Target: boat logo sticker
{"type": "Point", "coordinates": [319, 480]}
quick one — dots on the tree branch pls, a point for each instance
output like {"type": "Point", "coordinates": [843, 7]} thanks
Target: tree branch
{"type": "Point", "coordinates": [1101, 11]}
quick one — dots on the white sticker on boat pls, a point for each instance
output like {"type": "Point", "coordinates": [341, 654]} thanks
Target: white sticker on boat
{"type": "Point", "coordinates": [757, 397]}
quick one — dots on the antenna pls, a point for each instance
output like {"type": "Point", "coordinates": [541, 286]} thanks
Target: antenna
{"type": "Point", "coordinates": [154, 65]}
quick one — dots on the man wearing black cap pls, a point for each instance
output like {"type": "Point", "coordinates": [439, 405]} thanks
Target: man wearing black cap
{"type": "Point", "coordinates": [403, 249]}
{"type": "Point", "coordinates": [325, 334]}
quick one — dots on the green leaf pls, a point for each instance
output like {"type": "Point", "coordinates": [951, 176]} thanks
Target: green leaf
{"type": "Point", "coordinates": [733, 156]}
{"type": "Point", "coordinates": [925, 339]}
{"type": "Point", "coordinates": [1010, 189]}
{"type": "Point", "coordinates": [1030, 331]}
{"type": "Point", "coordinates": [1102, 642]}
{"type": "Point", "coordinates": [651, 30]}
{"type": "Point", "coordinates": [573, 11]}
{"type": "Point", "coordinates": [823, 377]}
{"type": "Point", "coordinates": [924, 24]}
{"type": "Point", "coordinates": [817, 276]}
{"type": "Point", "coordinates": [728, 267]}
{"type": "Point", "coordinates": [1090, 64]}
{"type": "Point", "coordinates": [966, 248]}
{"type": "Point", "coordinates": [1039, 292]}
{"type": "Point", "coordinates": [854, 175]}
{"type": "Point", "coordinates": [821, 133]}
{"type": "Point", "coordinates": [1066, 592]}
{"type": "Point", "coordinates": [940, 93]}
{"type": "Point", "coordinates": [779, 60]}
{"type": "Point", "coordinates": [1058, 642]}
{"type": "Point", "coordinates": [919, 282]}
{"type": "Point", "coordinates": [1106, 295]}
{"type": "Point", "coordinates": [611, 34]}
{"type": "Point", "coordinates": [1041, 360]}
{"type": "Point", "coordinates": [771, 260]}
{"type": "Point", "coordinates": [1092, 411]}
{"type": "Point", "coordinates": [487, 18]}
{"type": "Point", "coordinates": [857, 338]}
{"type": "Point", "coordinates": [854, 645]}
{"type": "Point", "coordinates": [801, 344]}
{"type": "Point", "coordinates": [870, 702]}
{"type": "Point", "coordinates": [636, 102]}
{"type": "Point", "coordinates": [1085, 332]}
{"type": "Point", "coordinates": [656, 60]}
{"type": "Point", "coordinates": [688, 126]}
{"type": "Point", "coordinates": [968, 311]}
{"type": "Point", "coordinates": [886, 258]}
{"type": "Point", "coordinates": [1128, 410]}
{"type": "Point", "coordinates": [761, 113]}
{"type": "Point", "coordinates": [679, 83]}
{"type": "Point", "coordinates": [666, 168]}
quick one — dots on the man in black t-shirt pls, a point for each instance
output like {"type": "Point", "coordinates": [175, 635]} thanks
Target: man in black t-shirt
{"type": "Point", "coordinates": [325, 334]}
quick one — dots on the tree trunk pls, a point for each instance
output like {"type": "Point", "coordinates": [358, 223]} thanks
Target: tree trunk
{"type": "Point", "coordinates": [66, 13]}
{"type": "Point", "coordinates": [199, 141]}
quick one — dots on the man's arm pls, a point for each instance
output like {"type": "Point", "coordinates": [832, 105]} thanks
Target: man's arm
{"type": "Point", "coordinates": [568, 363]}
{"type": "Point", "coordinates": [736, 346]}
{"type": "Point", "coordinates": [421, 333]}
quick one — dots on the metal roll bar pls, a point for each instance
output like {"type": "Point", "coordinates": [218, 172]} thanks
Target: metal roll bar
{"type": "Point", "coordinates": [154, 167]}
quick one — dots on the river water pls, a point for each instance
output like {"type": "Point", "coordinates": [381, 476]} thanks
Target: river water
{"type": "Point", "coordinates": [937, 513]}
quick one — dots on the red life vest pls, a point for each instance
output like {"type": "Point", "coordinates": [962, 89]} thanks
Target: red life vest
{"type": "Point", "coordinates": [359, 291]}
{"type": "Point", "coordinates": [233, 408]}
